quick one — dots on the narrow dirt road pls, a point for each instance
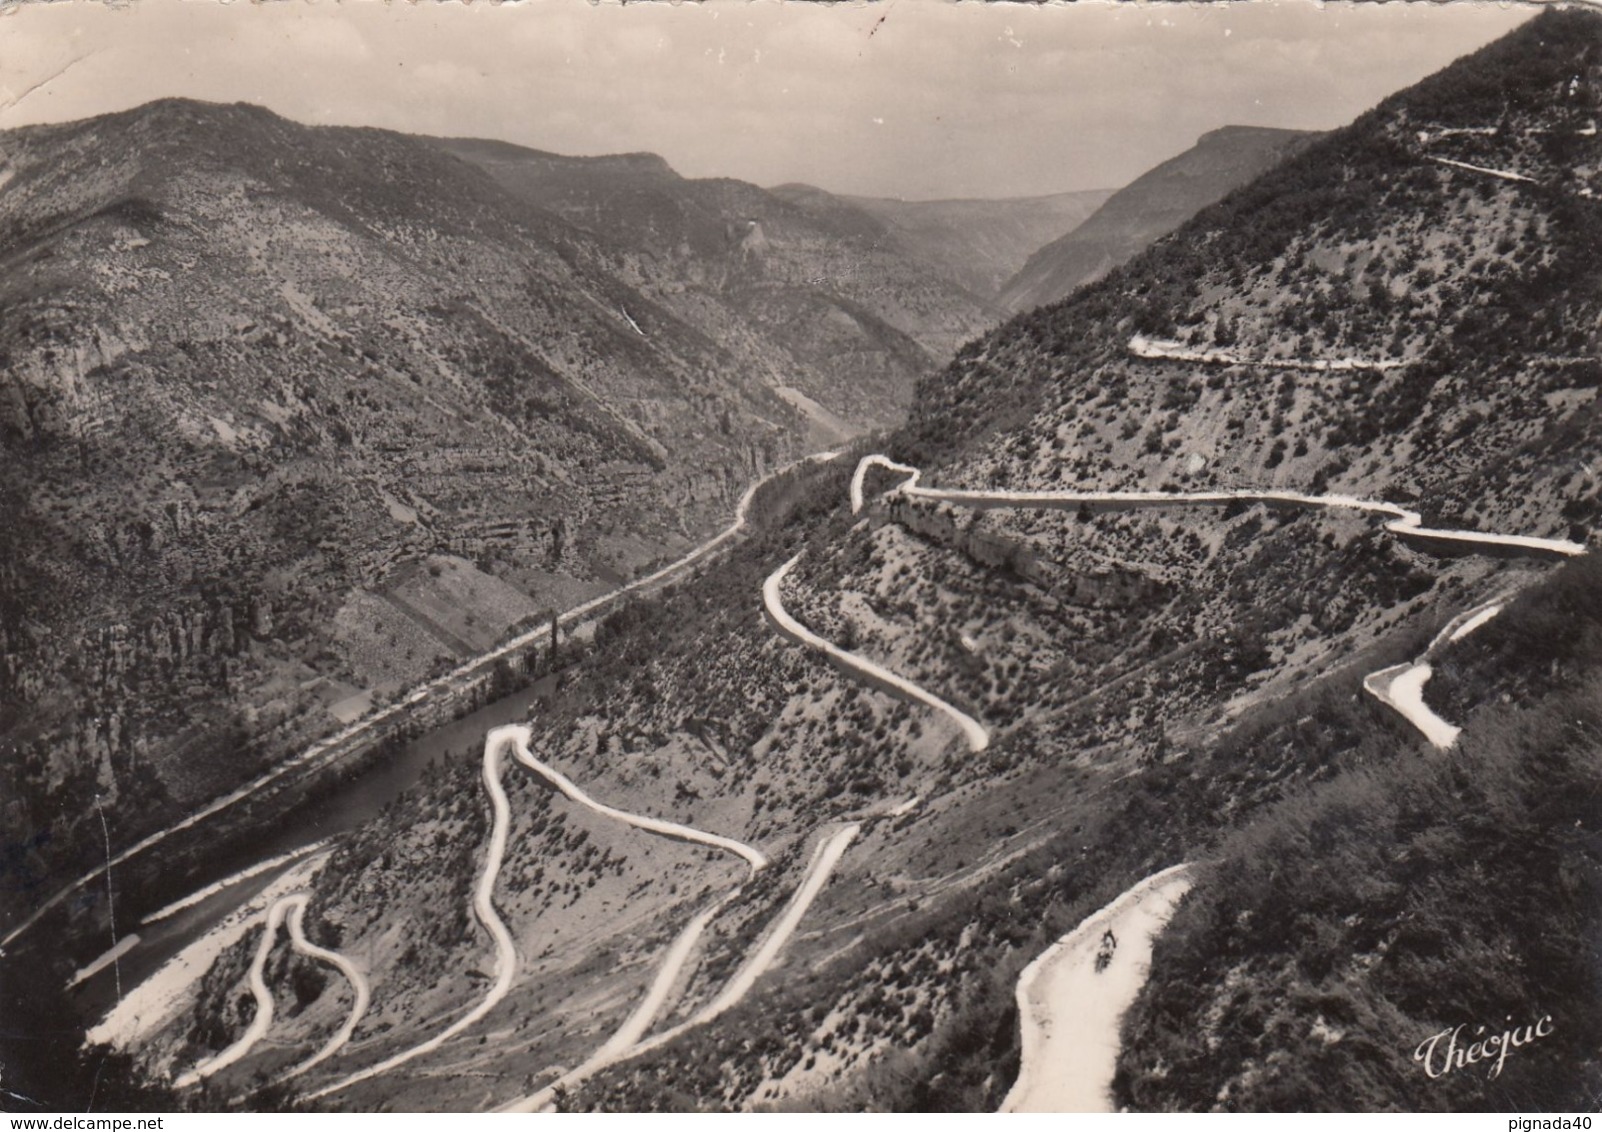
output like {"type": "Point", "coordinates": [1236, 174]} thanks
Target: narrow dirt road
{"type": "Point", "coordinates": [1072, 999]}
{"type": "Point", "coordinates": [517, 738]}
{"type": "Point", "coordinates": [1401, 686]}
{"type": "Point", "coordinates": [483, 907]}
{"type": "Point", "coordinates": [860, 667]}
{"type": "Point", "coordinates": [752, 856]}
{"type": "Point", "coordinates": [824, 859]}
{"type": "Point", "coordinates": [264, 1007]}
{"type": "Point", "coordinates": [1403, 522]}
{"type": "Point", "coordinates": [1069, 1005]}
{"type": "Point", "coordinates": [294, 906]}
{"type": "Point", "coordinates": [352, 973]}
{"type": "Point", "coordinates": [626, 1042]}
{"type": "Point", "coordinates": [354, 732]}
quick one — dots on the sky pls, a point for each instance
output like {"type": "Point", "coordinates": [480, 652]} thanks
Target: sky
{"type": "Point", "coordinates": [920, 99]}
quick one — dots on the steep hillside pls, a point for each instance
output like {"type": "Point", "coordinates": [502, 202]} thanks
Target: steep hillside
{"type": "Point", "coordinates": [295, 417]}
{"type": "Point", "coordinates": [1406, 310]}
{"type": "Point", "coordinates": [954, 725]}
{"type": "Point", "coordinates": [856, 321]}
{"type": "Point", "coordinates": [1146, 209]}
{"type": "Point", "coordinates": [1369, 317]}
{"type": "Point", "coordinates": [979, 243]}
{"type": "Point", "coordinates": [1353, 955]}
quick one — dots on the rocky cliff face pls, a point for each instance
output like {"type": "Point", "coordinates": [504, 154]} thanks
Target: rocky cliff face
{"type": "Point", "coordinates": [1123, 736]}
{"type": "Point", "coordinates": [251, 368]}
{"type": "Point", "coordinates": [833, 289]}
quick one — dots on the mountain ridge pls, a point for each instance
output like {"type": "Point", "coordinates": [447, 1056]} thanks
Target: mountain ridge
{"type": "Point", "coordinates": [826, 290]}
{"type": "Point", "coordinates": [979, 242]}
{"type": "Point", "coordinates": [1149, 207]}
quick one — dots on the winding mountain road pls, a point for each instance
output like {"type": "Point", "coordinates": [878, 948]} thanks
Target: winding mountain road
{"type": "Point", "coordinates": [1401, 686]}
{"type": "Point", "coordinates": [1404, 523]}
{"type": "Point", "coordinates": [629, 1040]}
{"type": "Point", "coordinates": [264, 1008]}
{"type": "Point", "coordinates": [294, 905]}
{"type": "Point", "coordinates": [520, 736]}
{"type": "Point", "coordinates": [357, 980]}
{"type": "Point", "coordinates": [1070, 1019]}
{"type": "Point", "coordinates": [1500, 174]}
{"type": "Point", "coordinates": [860, 667]}
{"type": "Point", "coordinates": [634, 1028]}
{"type": "Point", "coordinates": [1054, 987]}
{"type": "Point", "coordinates": [824, 858]}
{"type": "Point", "coordinates": [517, 737]}
{"type": "Point", "coordinates": [483, 907]}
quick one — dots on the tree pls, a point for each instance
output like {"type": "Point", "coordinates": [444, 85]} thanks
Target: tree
{"type": "Point", "coordinates": [504, 679]}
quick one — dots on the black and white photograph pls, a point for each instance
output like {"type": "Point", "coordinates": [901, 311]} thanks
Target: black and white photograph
{"type": "Point", "coordinates": [772, 557]}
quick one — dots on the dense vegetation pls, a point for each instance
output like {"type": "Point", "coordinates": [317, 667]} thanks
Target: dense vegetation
{"type": "Point", "coordinates": [1338, 930]}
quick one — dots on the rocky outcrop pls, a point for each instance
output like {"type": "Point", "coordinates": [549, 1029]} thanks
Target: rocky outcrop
{"type": "Point", "coordinates": [1100, 585]}
{"type": "Point", "coordinates": [823, 299]}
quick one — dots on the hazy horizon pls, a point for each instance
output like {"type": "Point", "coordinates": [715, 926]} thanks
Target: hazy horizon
{"type": "Point", "coordinates": [916, 99]}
